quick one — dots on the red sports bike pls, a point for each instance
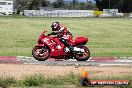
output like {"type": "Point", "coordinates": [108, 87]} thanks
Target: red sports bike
{"type": "Point", "coordinates": [49, 46]}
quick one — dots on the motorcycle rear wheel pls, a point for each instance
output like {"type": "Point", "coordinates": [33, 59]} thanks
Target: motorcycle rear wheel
{"type": "Point", "coordinates": [83, 56]}
{"type": "Point", "coordinates": [40, 54]}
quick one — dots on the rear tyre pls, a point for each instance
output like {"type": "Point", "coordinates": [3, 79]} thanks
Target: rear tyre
{"type": "Point", "coordinates": [41, 53]}
{"type": "Point", "coordinates": [83, 56]}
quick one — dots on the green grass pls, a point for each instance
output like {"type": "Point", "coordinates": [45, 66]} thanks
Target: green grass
{"type": "Point", "coordinates": [40, 81]}
{"type": "Point", "coordinates": [7, 81]}
{"type": "Point", "coordinates": [107, 36]}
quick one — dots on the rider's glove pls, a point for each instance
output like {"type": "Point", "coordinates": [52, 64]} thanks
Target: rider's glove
{"type": "Point", "coordinates": [49, 34]}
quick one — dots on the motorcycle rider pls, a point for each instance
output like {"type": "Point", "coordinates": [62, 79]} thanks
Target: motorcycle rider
{"type": "Point", "coordinates": [64, 35]}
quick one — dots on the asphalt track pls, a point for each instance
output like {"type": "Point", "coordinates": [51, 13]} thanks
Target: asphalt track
{"type": "Point", "coordinates": [95, 61]}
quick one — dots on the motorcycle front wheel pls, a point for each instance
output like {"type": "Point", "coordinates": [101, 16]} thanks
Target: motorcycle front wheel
{"type": "Point", "coordinates": [41, 53]}
{"type": "Point", "coordinates": [83, 56]}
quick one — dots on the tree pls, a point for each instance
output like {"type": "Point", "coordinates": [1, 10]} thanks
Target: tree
{"type": "Point", "coordinates": [126, 6]}
{"type": "Point", "coordinates": [58, 4]}
{"type": "Point", "coordinates": [122, 5]}
{"type": "Point", "coordinates": [74, 3]}
{"type": "Point", "coordinates": [22, 5]}
{"type": "Point", "coordinates": [31, 4]}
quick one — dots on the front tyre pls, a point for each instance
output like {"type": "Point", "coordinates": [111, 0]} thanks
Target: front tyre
{"type": "Point", "coordinates": [41, 53]}
{"type": "Point", "coordinates": [83, 56]}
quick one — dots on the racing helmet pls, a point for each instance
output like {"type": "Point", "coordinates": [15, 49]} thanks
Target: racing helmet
{"type": "Point", "coordinates": [55, 26]}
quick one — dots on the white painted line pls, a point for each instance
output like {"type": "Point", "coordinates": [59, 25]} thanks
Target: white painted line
{"type": "Point", "coordinates": [114, 64]}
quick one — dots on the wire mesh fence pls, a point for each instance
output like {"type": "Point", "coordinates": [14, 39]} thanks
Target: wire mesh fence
{"type": "Point", "coordinates": [59, 13]}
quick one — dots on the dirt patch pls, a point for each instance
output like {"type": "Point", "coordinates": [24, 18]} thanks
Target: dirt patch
{"type": "Point", "coordinates": [19, 71]}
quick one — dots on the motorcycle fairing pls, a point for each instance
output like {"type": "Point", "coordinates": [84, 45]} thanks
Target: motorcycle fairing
{"type": "Point", "coordinates": [48, 41]}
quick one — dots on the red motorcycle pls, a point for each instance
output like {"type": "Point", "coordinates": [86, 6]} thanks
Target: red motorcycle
{"type": "Point", "coordinates": [49, 46]}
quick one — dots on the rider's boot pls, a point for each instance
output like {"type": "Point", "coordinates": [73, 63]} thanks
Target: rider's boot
{"type": "Point", "coordinates": [71, 48]}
